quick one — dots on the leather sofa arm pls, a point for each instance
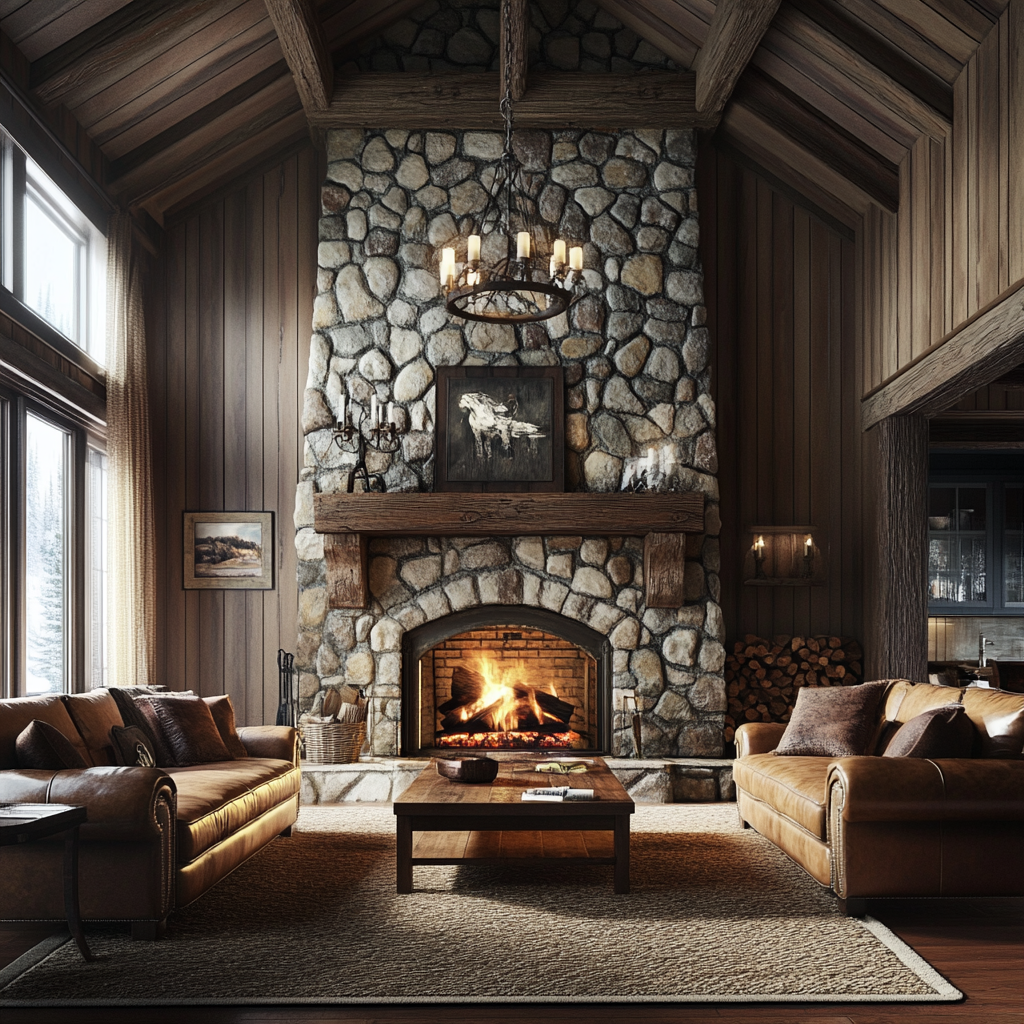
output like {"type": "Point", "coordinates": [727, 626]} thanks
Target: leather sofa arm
{"type": "Point", "coordinates": [758, 737]}
{"type": "Point", "coordinates": [280, 741]}
{"type": "Point", "coordinates": [917, 789]}
{"type": "Point", "coordinates": [121, 802]}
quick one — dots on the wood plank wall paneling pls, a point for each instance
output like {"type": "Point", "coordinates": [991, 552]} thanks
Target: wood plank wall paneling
{"type": "Point", "coordinates": [781, 289]}
{"type": "Point", "coordinates": [957, 241]}
{"type": "Point", "coordinates": [230, 315]}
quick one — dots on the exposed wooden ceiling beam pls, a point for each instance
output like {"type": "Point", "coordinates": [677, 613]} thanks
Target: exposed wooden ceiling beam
{"type": "Point", "coordinates": [120, 44]}
{"type": "Point", "coordinates": [735, 32]}
{"type": "Point", "coordinates": [512, 71]}
{"type": "Point", "coordinates": [872, 79]}
{"type": "Point", "coordinates": [666, 36]}
{"type": "Point", "coordinates": [553, 100]}
{"type": "Point", "coordinates": [821, 137]}
{"type": "Point", "coordinates": [210, 138]}
{"type": "Point", "coordinates": [980, 350]}
{"type": "Point", "coordinates": [302, 42]}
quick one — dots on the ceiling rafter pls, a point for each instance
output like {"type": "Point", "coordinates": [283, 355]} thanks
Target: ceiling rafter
{"type": "Point", "coordinates": [302, 41]}
{"type": "Point", "coordinates": [672, 42]}
{"type": "Point", "coordinates": [734, 33]}
{"type": "Point", "coordinates": [351, 21]}
{"type": "Point", "coordinates": [120, 43]}
{"type": "Point", "coordinates": [554, 100]}
{"type": "Point", "coordinates": [875, 81]}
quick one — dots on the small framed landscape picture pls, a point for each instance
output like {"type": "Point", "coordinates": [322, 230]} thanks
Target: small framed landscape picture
{"type": "Point", "coordinates": [229, 551]}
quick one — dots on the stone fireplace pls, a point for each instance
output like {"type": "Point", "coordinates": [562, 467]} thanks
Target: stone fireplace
{"type": "Point", "coordinates": [634, 353]}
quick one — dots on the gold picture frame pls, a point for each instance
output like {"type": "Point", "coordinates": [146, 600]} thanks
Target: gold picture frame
{"type": "Point", "coordinates": [229, 551]}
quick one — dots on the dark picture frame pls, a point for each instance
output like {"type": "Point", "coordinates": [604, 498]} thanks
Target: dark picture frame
{"type": "Point", "coordinates": [228, 550]}
{"type": "Point", "coordinates": [500, 429]}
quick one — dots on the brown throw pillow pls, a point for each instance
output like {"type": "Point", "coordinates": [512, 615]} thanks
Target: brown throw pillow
{"type": "Point", "coordinates": [132, 746]}
{"type": "Point", "coordinates": [190, 731]}
{"type": "Point", "coordinates": [155, 732]}
{"type": "Point", "coordinates": [223, 712]}
{"type": "Point", "coordinates": [834, 721]}
{"type": "Point", "coordinates": [940, 732]}
{"type": "Point", "coordinates": [41, 747]}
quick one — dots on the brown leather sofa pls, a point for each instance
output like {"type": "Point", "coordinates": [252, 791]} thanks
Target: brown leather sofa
{"type": "Point", "coordinates": [156, 838]}
{"type": "Point", "coordinates": [876, 826]}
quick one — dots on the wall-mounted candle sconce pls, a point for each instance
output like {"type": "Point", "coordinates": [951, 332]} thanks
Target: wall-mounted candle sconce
{"type": "Point", "coordinates": [783, 556]}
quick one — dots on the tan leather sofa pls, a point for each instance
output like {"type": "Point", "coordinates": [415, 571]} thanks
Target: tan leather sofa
{"type": "Point", "coordinates": [876, 826]}
{"type": "Point", "coordinates": [156, 838]}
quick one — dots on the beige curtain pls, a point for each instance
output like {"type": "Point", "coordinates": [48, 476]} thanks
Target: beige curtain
{"type": "Point", "coordinates": [131, 553]}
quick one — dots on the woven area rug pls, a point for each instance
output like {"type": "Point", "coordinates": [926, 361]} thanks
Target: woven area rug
{"type": "Point", "coordinates": [717, 914]}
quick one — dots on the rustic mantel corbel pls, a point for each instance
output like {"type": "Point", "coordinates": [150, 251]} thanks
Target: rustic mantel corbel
{"type": "Point", "coordinates": [663, 520]}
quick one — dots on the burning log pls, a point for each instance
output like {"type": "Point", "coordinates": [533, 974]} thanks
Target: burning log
{"type": "Point", "coordinates": [762, 677]}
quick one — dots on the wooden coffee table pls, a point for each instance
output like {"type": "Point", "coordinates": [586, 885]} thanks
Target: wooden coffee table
{"type": "Point", "coordinates": [25, 823]}
{"type": "Point", "coordinates": [489, 823]}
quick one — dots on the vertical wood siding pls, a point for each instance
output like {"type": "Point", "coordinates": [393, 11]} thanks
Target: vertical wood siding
{"type": "Point", "coordinates": [957, 242]}
{"type": "Point", "coordinates": [781, 291]}
{"type": "Point", "coordinates": [230, 314]}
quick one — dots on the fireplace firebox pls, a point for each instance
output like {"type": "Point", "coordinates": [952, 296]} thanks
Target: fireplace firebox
{"type": "Point", "coordinates": [503, 678]}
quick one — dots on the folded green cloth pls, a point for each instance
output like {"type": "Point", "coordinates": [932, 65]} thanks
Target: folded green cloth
{"type": "Point", "coordinates": [561, 767]}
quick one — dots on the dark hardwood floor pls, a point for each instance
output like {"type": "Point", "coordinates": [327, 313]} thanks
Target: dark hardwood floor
{"type": "Point", "coordinates": [977, 943]}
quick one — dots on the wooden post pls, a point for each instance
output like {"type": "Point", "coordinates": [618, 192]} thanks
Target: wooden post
{"type": "Point", "coordinates": [347, 574]}
{"type": "Point", "coordinates": [901, 620]}
{"type": "Point", "coordinates": [664, 569]}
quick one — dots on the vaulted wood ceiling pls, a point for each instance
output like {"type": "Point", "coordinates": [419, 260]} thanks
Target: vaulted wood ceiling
{"type": "Point", "coordinates": [180, 95]}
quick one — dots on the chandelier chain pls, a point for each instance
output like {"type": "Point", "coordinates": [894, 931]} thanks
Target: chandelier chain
{"type": "Point", "coordinates": [505, 106]}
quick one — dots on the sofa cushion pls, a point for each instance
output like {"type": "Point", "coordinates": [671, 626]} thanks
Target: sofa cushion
{"type": "Point", "coordinates": [17, 712]}
{"type": "Point", "coordinates": [223, 712]}
{"type": "Point", "coordinates": [94, 714]}
{"type": "Point", "coordinates": [42, 747]}
{"type": "Point", "coordinates": [794, 786]}
{"type": "Point", "coordinates": [834, 721]}
{"type": "Point", "coordinates": [132, 746]}
{"type": "Point", "coordinates": [906, 700]}
{"type": "Point", "coordinates": [940, 732]}
{"type": "Point", "coordinates": [190, 731]}
{"type": "Point", "coordinates": [998, 718]}
{"type": "Point", "coordinates": [215, 800]}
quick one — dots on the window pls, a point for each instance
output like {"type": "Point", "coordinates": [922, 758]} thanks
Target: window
{"type": "Point", "coordinates": [53, 551]}
{"type": "Point", "coordinates": [976, 535]}
{"type": "Point", "coordinates": [54, 258]}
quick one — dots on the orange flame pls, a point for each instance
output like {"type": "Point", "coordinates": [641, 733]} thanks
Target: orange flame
{"type": "Point", "coordinates": [510, 702]}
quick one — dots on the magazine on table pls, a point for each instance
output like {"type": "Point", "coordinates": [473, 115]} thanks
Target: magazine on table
{"type": "Point", "coordinates": [557, 794]}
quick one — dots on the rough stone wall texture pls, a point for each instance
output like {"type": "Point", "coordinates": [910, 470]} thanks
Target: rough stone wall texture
{"type": "Point", "coordinates": [448, 35]}
{"type": "Point", "coordinates": [635, 355]}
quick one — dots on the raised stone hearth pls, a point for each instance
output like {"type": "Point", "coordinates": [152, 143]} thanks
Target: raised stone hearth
{"type": "Point", "coordinates": [648, 781]}
{"type": "Point", "coordinates": [634, 352]}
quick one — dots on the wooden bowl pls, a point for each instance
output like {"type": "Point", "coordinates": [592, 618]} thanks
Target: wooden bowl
{"type": "Point", "coordinates": [468, 769]}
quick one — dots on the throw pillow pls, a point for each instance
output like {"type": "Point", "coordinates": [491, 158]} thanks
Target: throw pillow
{"type": "Point", "coordinates": [41, 747]}
{"type": "Point", "coordinates": [834, 721]}
{"type": "Point", "coordinates": [190, 731]}
{"type": "Point", "coordinates": [132, 746]}
{"type": "Point", "coordinates": [941, 732]}
{"type": "Point", "coordinates": [223, 712]}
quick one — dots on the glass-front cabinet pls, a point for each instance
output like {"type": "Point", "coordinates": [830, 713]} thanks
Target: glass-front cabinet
{"type": "Point", "coordinates": [975, 540]}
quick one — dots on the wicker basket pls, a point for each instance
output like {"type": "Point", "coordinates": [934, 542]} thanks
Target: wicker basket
{"type": "Point", "coordinates": [333, 742]}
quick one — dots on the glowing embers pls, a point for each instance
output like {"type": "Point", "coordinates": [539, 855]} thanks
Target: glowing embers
{"type": "Point", "coordinates": [514, 740]}
{"type": "Point", "coordinates": [497, 704]}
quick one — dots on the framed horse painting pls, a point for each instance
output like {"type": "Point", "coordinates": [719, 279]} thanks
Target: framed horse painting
{"type": "Point", "coordinates": [500, 428]}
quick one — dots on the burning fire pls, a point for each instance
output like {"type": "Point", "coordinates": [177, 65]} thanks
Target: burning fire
{"type": "Point", "coordinates": [507, 702]}
{"type": "Point", "coordinates": [512, 740]}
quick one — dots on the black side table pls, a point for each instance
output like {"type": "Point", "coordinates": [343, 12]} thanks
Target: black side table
{"type": "Point", "coordinates": [25, 823]}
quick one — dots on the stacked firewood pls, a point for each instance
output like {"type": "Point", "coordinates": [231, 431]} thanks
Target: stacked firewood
{"type": "Point", "coordinates": [762, 677]}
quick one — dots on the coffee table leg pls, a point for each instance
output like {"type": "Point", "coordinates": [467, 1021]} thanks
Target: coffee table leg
{"type": "Point", "coordinates": [404, 853]}
{"type": "Point", "coordinates": [71, 910]}
{"type": "Point", "coordinates": [622, 853]}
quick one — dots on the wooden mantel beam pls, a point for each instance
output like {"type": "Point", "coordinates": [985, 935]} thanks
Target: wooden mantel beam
{"type": "Point", "coordinates": [734, 34]}
{"type": "Point", "coordinates": [302, 42]}
{"type": "Point", "coordinates": [513, 70]}
{"type": "Point", "coordinates": [553, 100]}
